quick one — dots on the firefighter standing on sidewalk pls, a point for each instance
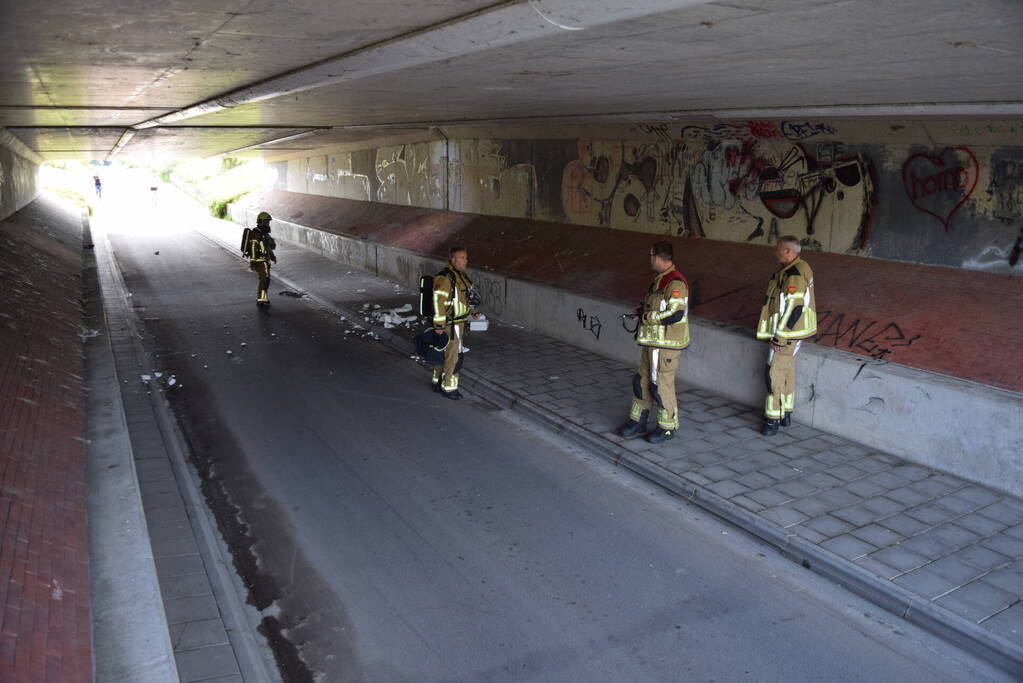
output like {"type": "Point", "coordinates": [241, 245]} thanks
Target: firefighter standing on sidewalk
{"type": "Point", "coordinates": [451, 306]}
{"type": "Point", "coordinates": [259, 249]}
{"type": "Point", "coordinates": [663, 332]}
{"type": "Point", "coordinates": [787, 317]}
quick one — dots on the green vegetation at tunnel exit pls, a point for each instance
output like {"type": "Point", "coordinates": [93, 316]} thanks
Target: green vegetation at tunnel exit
{"type": "Point", "coordinates": [71, 180]}
{"type": "Point", "coordinates": [73, 196]}
{"type": "Point", "coordinates": [216, 182]}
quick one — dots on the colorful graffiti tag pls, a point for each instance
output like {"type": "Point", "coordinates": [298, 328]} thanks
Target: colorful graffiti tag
{"type": "Point", "coordinates": [756, 188]}
{"type": "Point", "coordinates": [801, 130]}
{"type": "Point", "coordinates": [939, 184]}
{"type": "Point", "coordinates": [731, 181]}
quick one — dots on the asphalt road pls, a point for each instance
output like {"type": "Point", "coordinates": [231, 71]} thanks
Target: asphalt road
{"type": "Point", "coordinates": [390, 535]}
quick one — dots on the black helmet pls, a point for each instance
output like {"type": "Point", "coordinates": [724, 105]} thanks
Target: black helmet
{"type": "Point", "coordinates": [263, 218]}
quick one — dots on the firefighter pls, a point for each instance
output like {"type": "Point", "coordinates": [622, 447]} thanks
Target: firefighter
{"type": "Point", "coordinates": [451, 293]}
{"type": "Point", "coordinates": [259, 248]}
{"type": "Point", "coordinates": [787, 317]}
{"type": "Point", "coordinates": [662, 333]}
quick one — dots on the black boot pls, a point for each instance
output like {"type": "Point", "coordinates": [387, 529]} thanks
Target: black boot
{"type": "Point", "coordinates": [453, 395]}
{"type": "Point", "coordinates": [787, 420]}
{"type": "Point", "coordinates": [770, 427]}
{"type": "Point", "coordinates": [661, 435]}
{"type": "Point", "coordinates": [635, 427]}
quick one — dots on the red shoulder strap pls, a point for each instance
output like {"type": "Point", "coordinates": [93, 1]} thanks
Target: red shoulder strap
{"type": "Point", "coordinates": [673, 275]}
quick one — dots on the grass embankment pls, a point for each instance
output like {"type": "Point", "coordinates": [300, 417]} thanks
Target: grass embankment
{"type": "Point", "coordinates": [71, 180]}
{"type": "Point", "coordinates": [71, 195]}
{"type": "Point", "coordinates": [216, 182]}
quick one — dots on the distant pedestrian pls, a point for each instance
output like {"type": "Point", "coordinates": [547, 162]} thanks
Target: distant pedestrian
{"type": "Point", "coordinates": [258, 246]}
{"type": "Point", "coordinates": [99, 186]}
{"type": "Point", "coordinates": [451, 308]}
{"type": "Point", "coordinates": [662, 333]}
{"type": "Point", "coordinates": [787, 317]}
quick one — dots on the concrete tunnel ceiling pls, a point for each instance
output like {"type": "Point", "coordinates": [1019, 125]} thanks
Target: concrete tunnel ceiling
{"type": "Point", "coordinates": [198, 78]}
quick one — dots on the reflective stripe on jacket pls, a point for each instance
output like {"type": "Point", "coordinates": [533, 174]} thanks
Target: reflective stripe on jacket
{"type": "Point", "coordinates": [257, 247]}
{"type": "Point", "coordinates": [665, 319]}
{"type": "Point", "coordinates": [789, 306]}
{"type": "Point", "coordinates": [450, 306]}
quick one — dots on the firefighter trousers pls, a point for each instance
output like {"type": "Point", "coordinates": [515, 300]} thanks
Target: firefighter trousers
{"type": "Point", "coordinates": [653, 386]}
{"type": "Point", "coordinates": [781, 380]}
{"type": "Point", "coordinates": [262, 269]}
{"type": "Point", "coordinates": [447, 374]}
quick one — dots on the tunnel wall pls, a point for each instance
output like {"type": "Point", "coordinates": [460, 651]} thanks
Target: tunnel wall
{"type": "Point", "coordinates": [19, 175]}
{"type": "Point", "coordinates": [572, 283]}
{"type": "Point", "coordinates": [943, 193]}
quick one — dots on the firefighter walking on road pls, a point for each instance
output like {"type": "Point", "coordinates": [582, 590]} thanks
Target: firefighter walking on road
{"type": "Point", "coordinates": [451, 309]}
{"type": "Point", "coordinates": [258, 246]}
{"type": "Point", "coordinates": [662, 333]}
{"type": "Point", "coordinates": [787, 317]}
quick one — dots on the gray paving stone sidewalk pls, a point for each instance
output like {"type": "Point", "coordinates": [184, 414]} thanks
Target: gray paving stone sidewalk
{"type": "Point", "coordinates": [952, 543]}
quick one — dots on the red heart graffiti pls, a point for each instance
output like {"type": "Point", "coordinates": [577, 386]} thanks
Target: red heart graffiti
{"type": "Point", "coordinates": [926, 175]}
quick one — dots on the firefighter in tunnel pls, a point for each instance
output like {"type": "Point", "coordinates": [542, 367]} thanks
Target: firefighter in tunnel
{"type": "Point", "coordinates": [258, 247]}
{"type": "Point", "coordinates": [662, 333]}
{"type": "Point", "coordinates": [454, 298]}
{"type": "Point", "coordinates": [788, 316]}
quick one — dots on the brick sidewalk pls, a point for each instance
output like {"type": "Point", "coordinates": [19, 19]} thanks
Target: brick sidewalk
{"type": "Point", "coordinates": [953, 545]}
{"type": "Point", "coordinates": [44, 581]}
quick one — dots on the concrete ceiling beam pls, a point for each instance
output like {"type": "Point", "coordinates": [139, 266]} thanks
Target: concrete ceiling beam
{"type": "Point", "coordinates": [276, 141]}
{"type": "Point", "coordinates": [8, 140]}
{"type": "Point", "coordinates": [501, 25]}
{"type": "Point", "coordinates": [122, 142]}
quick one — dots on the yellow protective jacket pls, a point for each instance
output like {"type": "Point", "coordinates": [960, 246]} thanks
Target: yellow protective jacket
{"type": "Point", "coordinates": [450, 297]}
{"type": "Point", "coordinates": [788, 311]}
{"type": "Point", "coordinates": [665, 319]}
{"type": "Point", "coordinates": [258, 249]}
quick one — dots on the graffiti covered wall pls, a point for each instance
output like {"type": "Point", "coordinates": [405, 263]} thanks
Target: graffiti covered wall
{"type": "Point", "coordinates": [409, 174]}
{"type": "Point", "coordinates": [944, 193]}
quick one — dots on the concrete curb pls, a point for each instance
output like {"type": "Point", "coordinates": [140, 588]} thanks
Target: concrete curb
{"type": "Point", "coordinates": [885, 594]}
{"type": "Point", "coordinates": [124, 590]}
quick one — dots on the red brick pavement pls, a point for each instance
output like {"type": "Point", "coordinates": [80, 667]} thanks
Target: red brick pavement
{"type": "Point", "coordinates": [45, 623]}
{"type": "Point", "coordinates": [956, 322]}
